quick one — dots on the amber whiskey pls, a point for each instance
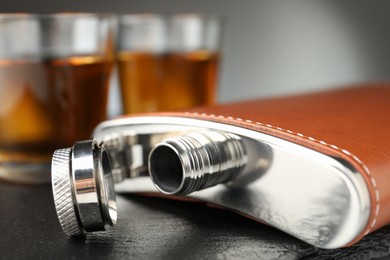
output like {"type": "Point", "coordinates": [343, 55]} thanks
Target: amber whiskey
{"type": "Point", "coordinates": [170, 81]}
{"type": "Point", "coordinates": [45, 105]}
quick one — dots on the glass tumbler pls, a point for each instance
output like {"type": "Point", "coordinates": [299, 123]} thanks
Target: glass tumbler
{"type": "Point", "coordinates": [54, 79]}
{"type": "Point", "coordinates": [168, 62]}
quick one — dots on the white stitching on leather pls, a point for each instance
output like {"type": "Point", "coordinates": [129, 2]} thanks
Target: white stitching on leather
{"type": "Point", "coordinates": [355, 158]}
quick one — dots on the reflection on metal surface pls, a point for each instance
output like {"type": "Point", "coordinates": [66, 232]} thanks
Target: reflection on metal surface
{"type": "Point", "coordinates": [119, 146]}
{"type": "Point", "coordinates": [316, 198]}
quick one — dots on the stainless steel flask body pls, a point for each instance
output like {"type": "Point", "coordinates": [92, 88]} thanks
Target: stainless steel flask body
{"type": "Point", "coordinates": [317, 198]}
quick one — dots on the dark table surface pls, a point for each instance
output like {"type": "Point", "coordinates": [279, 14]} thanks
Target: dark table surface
{"type": "Point", "coordinates": [152, 228]}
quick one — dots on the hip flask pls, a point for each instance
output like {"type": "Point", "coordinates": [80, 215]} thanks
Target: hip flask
{"type": "Point", "coordinates": [314, 166]}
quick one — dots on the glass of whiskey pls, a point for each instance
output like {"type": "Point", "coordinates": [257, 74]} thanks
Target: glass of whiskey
{"type": "Point", "coordinates": [168, 61]}
{"type": "Point", "coordinates": [54, 79]}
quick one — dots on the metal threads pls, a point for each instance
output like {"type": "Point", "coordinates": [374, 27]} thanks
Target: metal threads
{"type": "Point", "coordinates": [83, 188]}
{"type": "Point", "coordinates": [195, 161]}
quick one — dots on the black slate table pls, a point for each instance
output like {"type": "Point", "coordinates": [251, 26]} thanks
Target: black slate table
{"type": "Point", "coordinates": [152, 228]}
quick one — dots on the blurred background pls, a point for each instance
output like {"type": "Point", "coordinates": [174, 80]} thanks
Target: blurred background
{"type": "Point", "coordinates": [272, 47]}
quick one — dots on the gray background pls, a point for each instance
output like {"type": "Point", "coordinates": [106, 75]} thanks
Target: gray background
{"type": "Point", "coordinates": [273, 47]}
